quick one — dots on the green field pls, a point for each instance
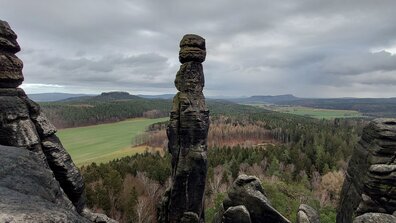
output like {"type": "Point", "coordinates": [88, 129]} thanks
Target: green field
{"type": "Point", "coordinates": [321, 113]}
{"type": "Point", "coordinates": [314, 112]}
{"type": "Point", "coordinates": [105, 142]}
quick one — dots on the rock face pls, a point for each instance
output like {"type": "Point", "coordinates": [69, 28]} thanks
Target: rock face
{"type": "Point", "coordinates": [187, 133]}
{"type": "Point", "coordinates": [370, 183]}
{"type": "Point", "coordinates": [29, 191]}
{"type": "Point", "coordinates": [306, 214]}
{"type": "Point", "coordinates": [246, 200]}
{"type": "Point", "coordinates": [22, 123]}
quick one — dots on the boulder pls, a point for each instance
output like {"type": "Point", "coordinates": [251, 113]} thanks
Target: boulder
{"type": "Point", "coordinates": [10, 65]}
{"type": "Point", "coordinates": [237, 214]}
{"type": "Point", "coordinates": [306, 214]}
{"type": "Point", "coordinates": [192, 48]}
{"type": "Point", "coordinates": [8, 38]}
{"type": "Point", "coordinates": [247, 191]}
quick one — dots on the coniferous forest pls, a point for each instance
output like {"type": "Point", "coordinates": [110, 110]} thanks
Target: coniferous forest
{"type": "Point", "coordinates": [298, 159]}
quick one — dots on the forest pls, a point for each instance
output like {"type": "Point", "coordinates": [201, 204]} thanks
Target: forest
{"type": "Point", "coordinates": [298, 160]}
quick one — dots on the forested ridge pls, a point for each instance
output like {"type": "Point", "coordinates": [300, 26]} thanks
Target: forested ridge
{"type": "Point", "coordinates": [76, 114]}
{"type": "Point", "coordinates": [118, 106]}
{"type": "Point", "coordinates": [298, 159]}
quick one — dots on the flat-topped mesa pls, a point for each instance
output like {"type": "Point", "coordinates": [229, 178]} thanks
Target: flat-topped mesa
{"type": "Point", "coordinates": [24, 125]}
{"type": "Point", "coordinates": [187, 133]}
{"type": "Point", "coordinates": [10, 65]}
{"type": "Point", "coordinates": [370, 183]}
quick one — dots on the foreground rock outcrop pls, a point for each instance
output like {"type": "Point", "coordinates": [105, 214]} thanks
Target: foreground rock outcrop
{"type": "Point", "coordinates": [23, 124]}
{"type": "Point", "coordinates": [29, 191]}
{"type": "Point", "coordinates": [187, 133]}
{"type": "Point", "coordinates": [246, 201]}
{"type": "Point", "coordinates": [307, 214]}
{"type": "Point", "coordinates": [370, 183]}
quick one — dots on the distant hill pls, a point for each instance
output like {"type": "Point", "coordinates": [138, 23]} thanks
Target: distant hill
{"type": "Point", "coordinates": [266, 99]}
{"type": "Point", "coordinates": [105, 96]}
{"type": "Point", "coordinates": [160, 96]}
{"type": "Point", "coordinates": [42, 97]}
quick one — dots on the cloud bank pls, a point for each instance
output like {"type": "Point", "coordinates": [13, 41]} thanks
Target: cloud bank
{"type": "Point", "coordinates": [308, 48]}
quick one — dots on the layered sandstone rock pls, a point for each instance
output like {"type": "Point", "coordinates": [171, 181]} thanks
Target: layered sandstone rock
{"type": "Point", "coordinates": [187, 133]}
{"type": "Point", "coordinates": [306, 214]}
{"type": "Point", "coordinates": [10, 65]}
{"type": "Point", "coordinates": [23, 124]}
{"type": "Point", "coordinates": [370, 184]}
{"type": "Point", "coordinates": [247, 201]}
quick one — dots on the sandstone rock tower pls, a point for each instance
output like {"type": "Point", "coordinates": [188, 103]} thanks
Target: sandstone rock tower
{"type": "Point", "coordinates": [187, 133]}
{"type": "Point", "coordinates": [22, 124]}
{"type": "Point", "coordinates": [369, 188]}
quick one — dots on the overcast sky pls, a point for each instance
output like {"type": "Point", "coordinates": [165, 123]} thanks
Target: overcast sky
{"type": "Point", "coordinates": [309, 48]}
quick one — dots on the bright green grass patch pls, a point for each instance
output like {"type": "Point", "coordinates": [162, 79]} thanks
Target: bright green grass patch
{"type": "Point", "coordinates": [105, 142]}
{"type": "Point", "coordinates": [318, 113]}
{"type": "Point", "coordinates": [321, 113]}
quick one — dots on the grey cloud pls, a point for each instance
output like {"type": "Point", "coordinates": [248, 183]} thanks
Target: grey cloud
{"type": "Point", "coordinates": [307, 47]}
{"type": "Point", "coordinates": [353, 64]}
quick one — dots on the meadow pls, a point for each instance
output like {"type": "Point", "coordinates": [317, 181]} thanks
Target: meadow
{"type": "Point", "coordinates": [104, 142]}
{"type": "Point", "coordinates": [318, 113]}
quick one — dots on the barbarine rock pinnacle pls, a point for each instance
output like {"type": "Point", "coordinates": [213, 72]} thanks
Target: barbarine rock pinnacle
{"type": "Point", "coordinates": [24, 125]}
{"type": "Point", "coordinates": [187, 133]}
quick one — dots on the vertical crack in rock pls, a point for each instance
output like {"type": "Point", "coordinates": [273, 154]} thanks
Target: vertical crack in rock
{"type": "Point", "coordinates": [370, 183]}
{"type": "Point", "coordinates": [187, 133]}
{"type": "Point", "coordinates": [22, 124]}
